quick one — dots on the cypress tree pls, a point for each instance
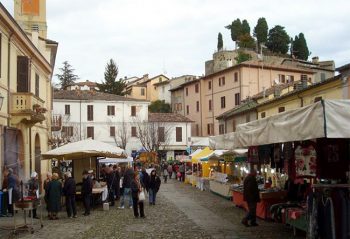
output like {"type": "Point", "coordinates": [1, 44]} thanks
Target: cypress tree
{"type": "Point", "coordinates": [278, 40]}
{"type": "Point", "coordinates": [261, 30]}
{"type": "Point", "coordinates": [220, 42]}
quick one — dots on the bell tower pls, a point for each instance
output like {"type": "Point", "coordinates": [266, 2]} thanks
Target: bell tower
{"type": "Point", "coordinates": [31, 16]}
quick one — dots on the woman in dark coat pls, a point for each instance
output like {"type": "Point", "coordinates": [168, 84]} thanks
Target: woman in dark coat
{"type": "Point", "coordinates": [54, 192]}
{"type": "Point", "coordinates": [252, 197]}
{"type": "Point", "coordinates": [136, 188]}
{"type": "Point", "coordinates": [154, 185]}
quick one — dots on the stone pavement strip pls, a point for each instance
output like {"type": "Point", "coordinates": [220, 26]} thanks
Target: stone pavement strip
{"type": "Point", "coordinates": [181, 211]}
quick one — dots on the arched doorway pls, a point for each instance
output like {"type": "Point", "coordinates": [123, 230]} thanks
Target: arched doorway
{"type": "Point", "coordinates": [37, 153]}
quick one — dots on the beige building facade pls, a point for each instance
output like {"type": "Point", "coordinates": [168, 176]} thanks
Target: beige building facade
{"type": "Point", "coordinates": [26, 67]}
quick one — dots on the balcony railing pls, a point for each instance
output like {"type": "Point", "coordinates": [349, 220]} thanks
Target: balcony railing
{"type": "Point", "coordinates": [28, 106]}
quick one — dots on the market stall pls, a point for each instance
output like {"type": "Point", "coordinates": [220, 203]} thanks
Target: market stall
{"type": "Point", "coordinates": [200, 170]}
{"type": "Point", "coordinates": [311, 147]}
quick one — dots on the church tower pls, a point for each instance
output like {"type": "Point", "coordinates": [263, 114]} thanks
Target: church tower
{"type": "Point", "coordinates": [31, 16]}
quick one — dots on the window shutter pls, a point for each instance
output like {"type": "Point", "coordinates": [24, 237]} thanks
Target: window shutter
{"type": "Point", "coordinates": [37, 85]}
{"type": "Point", "coordinates": [90, 113]}
{"type": "Point", "coordinates": [161, 134]}
{"type": "Point", "coordinates": [133, 132]}
{"type": "Point", "coordinates": [112, 131]}
{"type": "Point", "coordinates": [22, 74]}
{"type": "Point", "coordinates": [178, 134]}
{"type": "Point", "coordinates": [133, 110]}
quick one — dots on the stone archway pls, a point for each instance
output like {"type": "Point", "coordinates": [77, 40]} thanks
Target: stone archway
{"type": "Point", "coordinates": [37, 154]}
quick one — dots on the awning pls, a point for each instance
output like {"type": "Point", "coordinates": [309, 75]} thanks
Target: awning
{"type": "Point", "coordinates": [199, 141]}
{"type": "Point", "coordinates": [195, 152]}
{"type": "Point", "coordinates": [223, 141]}
{"type": "Point", "coordinates": [85, 149]}
{"type": "Point", "coordinates": [115, 160]}
{"type": "Point", "coordinates": [216, 154]}
{"type": "Point", "coordinates": [324, 119]}
{"type": "Point", "coordinates": [235, 155]}
{"type": "Point", "coordinates": [205, 152]}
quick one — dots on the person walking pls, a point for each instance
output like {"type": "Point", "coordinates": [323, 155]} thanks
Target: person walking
{"type": "Point", "coordinates": [111, 187]}
{"type": "Point", "coordinates": [54, 191]}
{"type": "Point", "coordinates": [46, 184]}
{"type": "Point", "coordinates": [170, 171]}
{"type": "Point", "coordinates": [116, 182]}
{"type": "Point", "coordinates": [33, 191]}
{"type": "Point", "coordinates": [144, 178]}
{"type": "Point", "coordinates": [12, 190]}
{"type": "Point", "coordinates": [165, 174]}
{"type": "Point", "coordinates": [182, 172]}
{"type": "Point", "coordinates": [127, 179]}
{"type": "Point", "coordinates": [154, 185]}
{"type": "Point", "coordinates": [86, 192]}
{"type": "Point", "coordinates": [252, 197]}
{"type": "Point", "coordinates": [137, 202]}
{"type": "Point", "coordinates": [69, 191]}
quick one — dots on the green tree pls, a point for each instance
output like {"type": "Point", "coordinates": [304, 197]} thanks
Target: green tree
{"type": "Point", "coordinates": [278, 40]}
{"type": "Point", "coordinates": [220, 42]}
{"type": "Point", "coordinates": [67, 76]}
{"type": "Point", "coordinates": [111, 85]}
{"type": "Point", "coordinates": [299, 47]}
{"type": "Point", "coordinates": [261, 30]}
{"type": "Point", "coordinates": [242, 56]}
{"type": "Point", "coordinates": [245, 27]}
{"type": "Point", "coordinates": [246, 41]}
{"type": "Point", "coordinates": [236, 29]}
{"type": "Point", "coordinates": [159, 106]}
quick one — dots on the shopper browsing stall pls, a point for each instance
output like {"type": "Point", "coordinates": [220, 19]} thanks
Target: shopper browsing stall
{"type": "Point", "coordinates": [252, 197]}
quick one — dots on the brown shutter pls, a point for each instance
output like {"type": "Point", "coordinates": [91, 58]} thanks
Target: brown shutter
{"type": "Point", "coordinates": [22, 74]}
{"type": "Point", "coordinates": [161, 134]}
{"type": "Point", "coordinates": [112, 131]}
{"type": "Point", "coordinates": [36, 85]}
{"type": "Point", "coordinates": [133, 110]}
{"type": "Point", "coordinates": [0, 52]}
{"type": "Point", "coordinates": [178, 134]}
{"type": "Point", "coordinates": [133, 132]}
{"type": "Point", "coordinates": [90, 132]}
{"type": "Point", "coordinates": [90, 112]}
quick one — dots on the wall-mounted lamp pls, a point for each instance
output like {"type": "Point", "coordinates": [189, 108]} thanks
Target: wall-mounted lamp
{"type": "Point", "coordinates": [1, 101]}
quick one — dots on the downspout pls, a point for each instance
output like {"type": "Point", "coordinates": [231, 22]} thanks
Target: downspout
{"type": "Point", "coordinates": [8, 78]}
{"type": "Point", "coordinates": [30, 149]}
{"type": "Point", "coordinates": [201, 113]}
{"type": "Point", "coordinates": [212, 104]}
{"type": "Point", "coordinates": [80, 119]}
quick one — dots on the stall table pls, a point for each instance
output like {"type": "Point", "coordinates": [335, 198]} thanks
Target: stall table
{"type": "Point", "coordinates": [100, 193]}
{"type": "Point", "coordinates": [267, 199]}
{"type": "Point", "coordinates": [220, 188]}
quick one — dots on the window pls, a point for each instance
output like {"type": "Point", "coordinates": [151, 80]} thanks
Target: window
{"type": "Point", "coordinates": [161, 134]}
{"type": "Point", "coordinates": [233, 125]}
{"type": "Point", "coordinates": [237, 99]}
{"type": "Point", "coordinates": [133, 110]}
{"type": "Point", "coordinates": [142, 91]}
{"type": "Point", "coordinates": [209, 85]}
{"type": "Point", "coordinates": [197, 106]}
{"type": "Point", "coordinates": [323, 76]}
{"type": "Point", "coordinates": [133, 131]}
{"type": "Point", "coordinates": [178, 134]}
{"type": "Point", "coordinates": [110, 110]}
{"type": "Point", "coordinates": [67, 131]}
{"type": "Point", "coordinates": [197, 130]}
{"type": "Point", "coordinates": [210, 129]}
{"type": "Point", "coordinates": [219, 81]}
{"type": "Point", "coordinates": [90, 112]}
{"type": "Point", "coordinates": [188, 109]}
{"type": "Point", "coordinates": [180, 106]}
{"type": "Point", "coordinates": [281, 109]}
{"type": "Point", "coordinates": [317, 99]}
{"type": "Point", "coordinates": [22, 74]}
{"type": "Point", "coordinates": [221, 129]}
{"type": "Point", "coordinates": [282, 78]}
{"type": "Point", "coordinates": [186, 91]}
{"type": "Point", "coordinates": [236, 76]}
{"type": "Point", "coordinates": [196, 88]}
{"type": "Point", "coordinates": [0, 52]}
{"type": "Point", "coordinates": [112, 131]}
{"type": "Point", "coordinates": [36, 85]}
{"type": "Point", "coordinates": [223, 80]}
{"type": "Point", "coordinates": [90, 132]}
{"type": "Point", "coordinates": [67, 109]}
{"type": "Point", "coordinates": [263, 114]}
{"type": "Point", "coordinates": [247, 118]}
{"type": "Point", "coordinates": [209, 105]}
{"type": "Point", "coordinates": [289, 79]}
{"type": "Point", "coordinates": [223, 103]}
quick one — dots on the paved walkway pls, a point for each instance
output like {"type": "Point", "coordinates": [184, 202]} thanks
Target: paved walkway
{"type": "Point", "coordinates": [181, 211]}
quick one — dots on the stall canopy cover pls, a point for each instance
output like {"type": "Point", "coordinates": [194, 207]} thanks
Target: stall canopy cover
{"type": "Point", "coordinates": [195, 152]}
{"type": "Point", "coordinates": [84, 149]}
{"type": "Point", "coordinates": [205, 152]}
{"type": "Point", "coordinates": [199, 141]}
{"type": "Point", "coordinates": [116, 160]}
{"type": "Point", "coordinates": [329, 118]}
{"type": "Point", "coordinates": [217, 154]}
{"type": "Point", "coordinates": [223, 141]}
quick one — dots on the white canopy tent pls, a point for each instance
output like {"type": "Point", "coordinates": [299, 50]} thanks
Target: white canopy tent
{"type": "Point", "coordinates": [115, 160]}
{"type": "Point", "coordinates": [324, 119]}
{"type": "Point", "coordinates": [223, 141]}
{"type": "Point", "coordinates": [215, 154]}
{"type": "Point", "coordinates": [85, 149]}
{"type": "Point", "coordinates": [199, 141]}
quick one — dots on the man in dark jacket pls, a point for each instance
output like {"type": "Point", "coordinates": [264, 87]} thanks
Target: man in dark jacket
{"type": "Point", "coordinates": [252, 197]}
{"type": "Point", "coordinates": [86, 192]}
{"type": "Point", "coordinates": [110, 176]}
{"type": "Point", "coordinates": [144, 178]}
{"type": "Point", "coordinates": [127, 179]}
{"type": "Point", "coordinates": [116, 182]}
{"type": "Point", "coordinates": [69, 190]}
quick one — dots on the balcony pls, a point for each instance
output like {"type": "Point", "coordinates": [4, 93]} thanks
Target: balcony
{"type": "Point", "coordinates": [27, 108]}
{"type": "Point", "coordinates": [56, 122]}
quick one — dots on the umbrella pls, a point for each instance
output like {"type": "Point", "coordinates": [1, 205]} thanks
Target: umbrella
{"type": "Point", "coordinates": [84, 149]}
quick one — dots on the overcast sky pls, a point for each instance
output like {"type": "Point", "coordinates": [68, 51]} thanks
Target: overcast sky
{"type": "Point", "coordinates": [177, 37]}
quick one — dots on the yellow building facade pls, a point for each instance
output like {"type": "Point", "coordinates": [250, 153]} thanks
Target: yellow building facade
{"type": "Point", "coordinates": [26, 67]}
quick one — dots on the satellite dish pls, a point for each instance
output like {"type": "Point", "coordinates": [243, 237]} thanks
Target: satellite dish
{"type": "Point", "coordinates": [277, 81]}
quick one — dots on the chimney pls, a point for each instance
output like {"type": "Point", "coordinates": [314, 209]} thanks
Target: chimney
{"type": "Point", "coordinates": [315, 59]}
{"type": "Point", "coordinates": [145, 76]}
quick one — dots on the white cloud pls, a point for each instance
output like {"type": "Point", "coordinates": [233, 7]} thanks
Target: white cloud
{"type": "Point", "coordinates": [179, 36]}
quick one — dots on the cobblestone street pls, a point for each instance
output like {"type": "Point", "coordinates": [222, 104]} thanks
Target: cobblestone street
{"type": "Point", "coordinates": [181, 211]}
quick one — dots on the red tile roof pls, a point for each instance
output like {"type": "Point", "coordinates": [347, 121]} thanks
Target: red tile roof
{"type": "Point", "coordinates": [167, 117]}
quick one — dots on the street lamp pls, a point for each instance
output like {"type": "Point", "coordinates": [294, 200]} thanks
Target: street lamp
{"type": "Point", "coordinates": [1, 101]}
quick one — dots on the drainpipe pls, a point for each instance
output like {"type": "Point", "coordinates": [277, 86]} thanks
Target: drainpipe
{"type": "Point", "coordinates": [8, 78]}
{"type": "Point", "coordinates": [30, 149]}
{"type": "Point", "coordinates": [212, 104]}
{"type": "Point", "coordinates": [80, 119]}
